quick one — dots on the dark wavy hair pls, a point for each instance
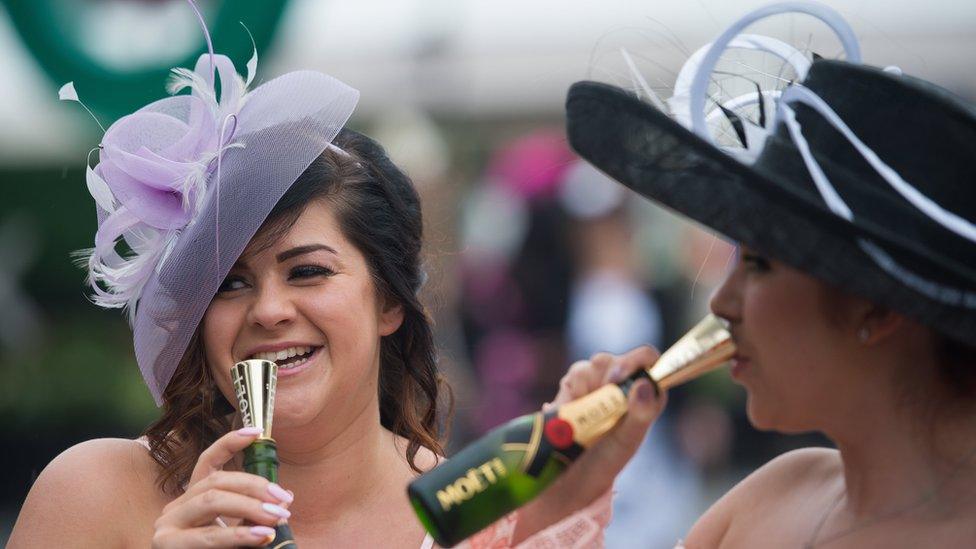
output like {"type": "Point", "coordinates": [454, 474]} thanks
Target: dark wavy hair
{"type": "Point", "coordinates": [378, 210]}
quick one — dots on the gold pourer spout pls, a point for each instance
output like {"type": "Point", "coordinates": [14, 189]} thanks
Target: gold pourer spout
{"type": "Point", "coordinates": [255, 382]}
{"type": "Point", "coordinates": [704, 348]}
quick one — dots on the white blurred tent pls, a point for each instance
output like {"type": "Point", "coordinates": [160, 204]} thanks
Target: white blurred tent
{"type": "Point", "coordinates": [475, 59]}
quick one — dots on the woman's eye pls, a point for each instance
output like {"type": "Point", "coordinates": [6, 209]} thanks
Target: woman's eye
{"type": "Point", "coordinates": [755, 262]}
{"type": "Point", "coordinates": [232, 283]}
{"type": "Point", "coordinates": [309, 271]}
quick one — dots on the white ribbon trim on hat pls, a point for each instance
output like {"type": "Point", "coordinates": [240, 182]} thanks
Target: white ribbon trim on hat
{"type": "Point", "coordinates": [702, 77]}
{"type": "Point", "coordinates": [945, 218]}
{"type": "Point", "coordinates": [687, 106]}
{"type": "Point", "coordinates": [681, 102]}
{"type": "Point", "coordinates": [703, 66]}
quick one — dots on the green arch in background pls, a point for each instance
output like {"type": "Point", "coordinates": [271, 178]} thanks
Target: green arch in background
{"type": "Point", "coordinates": [113, 94]}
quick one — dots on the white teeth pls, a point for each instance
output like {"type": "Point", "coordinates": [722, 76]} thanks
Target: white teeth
{"type": "Point", "coordinates": [291, 365]}
{"type": "Point", "coordinates": [283, 354]}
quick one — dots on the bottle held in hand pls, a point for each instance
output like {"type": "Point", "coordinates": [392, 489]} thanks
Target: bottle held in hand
{"type": "Point", "coordinates": [509, 466]}
{"type": "Point", "coordinates": [254, 383]}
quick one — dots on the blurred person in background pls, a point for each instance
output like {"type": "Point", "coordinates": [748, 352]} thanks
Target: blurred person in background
{"type": "Point", "coordinates": [551, 278]}
{"type": "Point", "coordinates": [611, 309]}
{"type": "Point", "coordinates": [516, 270]}
{"type": "Point", "coordinates": [851, 302]}
{"type": "Point", "coordinates": [418, 145]}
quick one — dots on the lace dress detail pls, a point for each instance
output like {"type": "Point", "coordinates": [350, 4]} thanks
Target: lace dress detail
{"type": "Point", "coordinates": [582, 529]}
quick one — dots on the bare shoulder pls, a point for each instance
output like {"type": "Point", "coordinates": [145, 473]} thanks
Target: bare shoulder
{"type": "Point", "coordinates": [83, 493]}
{"type": "Point", "coordinates": [763, 488]}
{"type": "Point", "coordinates": [794, 469]}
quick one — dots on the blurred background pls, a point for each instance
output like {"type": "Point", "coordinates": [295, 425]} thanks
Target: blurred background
{"type": "Point", "coordinates": [535, 259]}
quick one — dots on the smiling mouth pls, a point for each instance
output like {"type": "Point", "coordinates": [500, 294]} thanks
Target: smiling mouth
{"type": "Point", "coordinates": [288, 358]}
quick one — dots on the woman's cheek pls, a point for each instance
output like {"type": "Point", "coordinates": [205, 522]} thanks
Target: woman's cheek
{"type": "Point", "coordinates": [221, 323]}
{"type": "Point", "coordinates": [218, 332]}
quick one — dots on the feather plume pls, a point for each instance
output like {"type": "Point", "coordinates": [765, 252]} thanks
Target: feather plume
{"type": "Point", "coordinates": [68, 93]}
{"type": "Point", "coordinates": [641, 84]}
{"type": "Point", "coordinates": [127, 250]}
{"type": "Point", "coordinates": [99, 190]}
{"type": "Point", "coordinates": [252, 63]}
{"type": "Point", "coordinates": [182, 78]}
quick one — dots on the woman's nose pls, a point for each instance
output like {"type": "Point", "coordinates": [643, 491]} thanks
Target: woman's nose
{"type": "Point", "coordinates": [271, 309]}
{"type": "Point", "coordinates": [726, 301]}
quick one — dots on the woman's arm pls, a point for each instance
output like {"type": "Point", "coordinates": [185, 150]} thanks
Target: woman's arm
{"type": "Point", "coordinates": [710, 528]}
{"type": "Point", "coordinates": [592, 475]}
{"type": "Point", "coordinates": [102, 493]}
{"type": "Point", "coordinates": [85, 498]}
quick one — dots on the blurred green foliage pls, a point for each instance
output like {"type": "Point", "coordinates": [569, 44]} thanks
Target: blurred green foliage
{"type": "Point", "coordinates": [81, 368]}
{"type": "Point", "coordinates": [51, 29]}
{"type": "Point", "coordinates": [83, 372]}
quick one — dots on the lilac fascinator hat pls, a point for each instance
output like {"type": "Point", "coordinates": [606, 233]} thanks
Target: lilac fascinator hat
{"type": "Point", "coordinates": [184, 183]}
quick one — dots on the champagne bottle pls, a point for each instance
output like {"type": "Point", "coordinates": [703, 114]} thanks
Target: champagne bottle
{"type": "Point", "coordinates": [513, 463]}
{"type": "Point", "coordinates": [255, 382]}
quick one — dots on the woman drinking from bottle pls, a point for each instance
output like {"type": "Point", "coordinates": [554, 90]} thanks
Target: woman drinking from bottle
{"type": "Point", "coordinates": [852, 301]}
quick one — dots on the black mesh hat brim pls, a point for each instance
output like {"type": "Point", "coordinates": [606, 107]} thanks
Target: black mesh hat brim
{"type": "Point", "coordinates": [644, 149]}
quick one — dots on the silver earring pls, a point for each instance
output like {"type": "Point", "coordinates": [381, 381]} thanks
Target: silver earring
{"type": "Point", "coordinates": [863, 335]}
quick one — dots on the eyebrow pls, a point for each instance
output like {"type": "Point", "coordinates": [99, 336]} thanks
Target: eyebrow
{"type": "Point", "coordinates": [302, 250]}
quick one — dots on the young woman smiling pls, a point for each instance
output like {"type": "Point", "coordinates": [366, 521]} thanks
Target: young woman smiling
{"type": "Point", "coordinates": [255, 226]}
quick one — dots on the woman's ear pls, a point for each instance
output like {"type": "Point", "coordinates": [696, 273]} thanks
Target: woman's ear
{"type": "Point", "coordinates": [391, 316]}
{"type": "Point", "coordinates": [878, 324]}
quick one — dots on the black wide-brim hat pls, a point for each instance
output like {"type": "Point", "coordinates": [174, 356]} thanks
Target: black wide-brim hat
{"type": "Point", "coordinates": [890, 252]}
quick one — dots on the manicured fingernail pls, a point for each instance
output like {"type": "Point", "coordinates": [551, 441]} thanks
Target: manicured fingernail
{"type": "Point", "coordinates": [280, 493]}
{"type": "Point", "coordinates": [250, 431]}
{"type": "Point", "coordinates": [645, 393]}
{"type": "Point", "coordinates": [262, 532]}
{"type": "Point", "coordinates": [276, 510]}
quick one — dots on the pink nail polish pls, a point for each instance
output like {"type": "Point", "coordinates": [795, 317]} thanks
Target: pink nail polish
{"type": "Point", "coordinates": [645, 392]}
{"type": "Point", "coordinates": [262, 532]}
{"type": "Point", "coordinates": [280, 493]}
{"type": "Point", "coordinates": [250, 431]}
{"type": "Point", "coordinates": [275, 510]}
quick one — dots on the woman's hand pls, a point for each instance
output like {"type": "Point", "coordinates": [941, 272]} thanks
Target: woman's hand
{"type": "Point", "coordinates": [593, 473]}
{"type": "Point", "coordinates": [192, 520]}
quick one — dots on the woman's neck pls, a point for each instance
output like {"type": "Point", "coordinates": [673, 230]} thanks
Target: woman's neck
{"type": "Point", "coordinates": [332, 472]}
{"type": "Point", "coordinates": [902, 455]}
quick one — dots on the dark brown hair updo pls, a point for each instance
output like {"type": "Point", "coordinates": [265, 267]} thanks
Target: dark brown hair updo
{"type": "Point", "coordinates": [378, 210]}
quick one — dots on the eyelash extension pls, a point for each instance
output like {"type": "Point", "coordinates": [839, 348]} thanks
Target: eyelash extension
{"type": "Point", "coordinates": [302, 271]}
{"type": "Point", "coordinates": [306, 271]}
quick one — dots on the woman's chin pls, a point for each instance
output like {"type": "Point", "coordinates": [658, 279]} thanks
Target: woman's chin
{"type": "Point", "coordinates": [767, 419]}
{"type": "Point", "coordinates": [759, 417]}
{"type": "Point", "coordinates": [287, 420]}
